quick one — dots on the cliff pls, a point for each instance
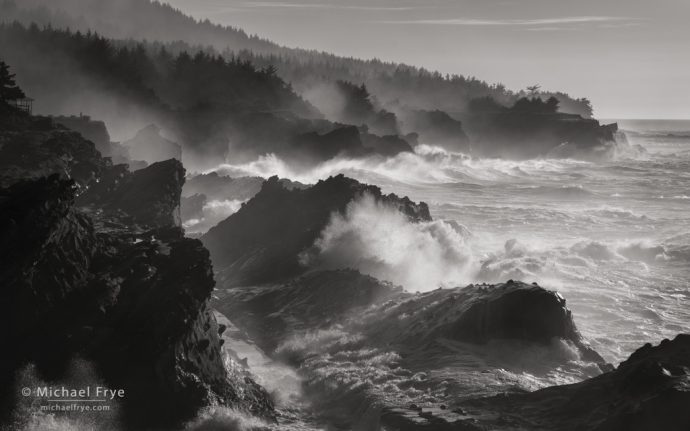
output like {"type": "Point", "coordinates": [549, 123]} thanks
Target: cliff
{"type": "Point", "coordinates": [102, 268]}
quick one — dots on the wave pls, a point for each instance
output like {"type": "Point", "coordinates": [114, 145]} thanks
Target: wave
{"type": "Point", "coordinates": [571, 192]}
{"type": "Point", "coordinates": [378, 240]}
{"type": "Point", "coordinates": [226, 419]}
{"type": "Point", "coordinates": [426, 165]}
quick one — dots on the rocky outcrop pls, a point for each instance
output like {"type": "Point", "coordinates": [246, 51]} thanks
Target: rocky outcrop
{"type": "Point", "coordinates": [151, 196]}
{"type": "Point", "coordinates": [262, 241]}
{"type": "Point", "coordinates": [150, 146]}
{"type": "Point", "coordinates": [104, 275]}
{"type": "Point", "coordinates": [522, 134]}
{"type": "Point", "coordinates": [222, 187]}
{"type": "Point", "coordinates": [314, 147]}
{"type": "Point", "coordinates": [411, 361]}
{"type": "Point", "coordinates": [481, 313]}
{"type": "Point", "coordinates": [648, 391]}
{"type": "Point", "coordinates": [316, 300]}
{"type": "Point", "coordinates": [387, 146]}
{"type": "Point", "coordinates": [475, 314]}
{"type": "Point", "coordinates": [436, 128]}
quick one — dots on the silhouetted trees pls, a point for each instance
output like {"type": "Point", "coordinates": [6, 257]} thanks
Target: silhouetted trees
{"type": "Point", "coordinates": [359, 109]}
{"type": "Point", "coordinates": [9, 90]}
{"type": "Point", "coordinates": [535, 105]}
{"type": "Point", "coordinates": [147, 74]}
{"type": "Point", "coordinates": [143, 19]}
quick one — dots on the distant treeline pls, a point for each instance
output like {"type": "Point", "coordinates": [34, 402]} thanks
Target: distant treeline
{"type": "Point", "coordinates": [148, 74]}
{"type": "Point", "coordinates": [391, 83]}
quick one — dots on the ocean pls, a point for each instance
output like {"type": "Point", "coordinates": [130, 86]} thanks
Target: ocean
{"type": "Point", "coordinates": [613, 236]}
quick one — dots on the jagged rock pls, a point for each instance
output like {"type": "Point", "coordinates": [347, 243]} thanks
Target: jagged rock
{"type": "Point", "coordinates": [221, 187]}
{"type": "Point", "coordinates": [150, 195]}
{"type": "Point", "coordinates": [648, 391]}
{"type": "Point", "coordinates": [262, 241]}
{"type": "Point", "coordinates": [46, 249]}
{"type": "Point", "coordinates": [150, 146]}
{"type": "Point", "coordinates": [84, 281]}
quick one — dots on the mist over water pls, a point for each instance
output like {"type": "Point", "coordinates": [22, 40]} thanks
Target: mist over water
{"type": "Point", "coordinates": [612, 236]}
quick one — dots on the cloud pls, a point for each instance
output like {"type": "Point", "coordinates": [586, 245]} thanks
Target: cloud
{"type": "Point", "coordinates": [515, 22]}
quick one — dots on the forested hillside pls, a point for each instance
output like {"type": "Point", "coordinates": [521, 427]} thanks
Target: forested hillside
{"type": "Point", "coordinates": [389, 82]}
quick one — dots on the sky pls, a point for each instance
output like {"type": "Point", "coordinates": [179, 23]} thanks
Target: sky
{"type": "Point", "coordinates": [630, 57]}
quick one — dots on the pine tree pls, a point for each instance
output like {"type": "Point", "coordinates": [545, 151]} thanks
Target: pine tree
{"type": "Point", "coordinates": [8, 88]}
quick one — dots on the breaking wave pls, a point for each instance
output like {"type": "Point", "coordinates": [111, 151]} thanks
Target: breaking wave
{"type": "Point", "coordinates": [427, 165]}
{"type": "Point", "coordinates": [226, 419]}
{"type": "Point", "coordinates": [380, 241]}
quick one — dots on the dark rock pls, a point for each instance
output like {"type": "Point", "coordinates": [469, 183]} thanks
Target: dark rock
{"type": "Point", "coordinates": [388, 146]}
{"type": "Point", "coordinates": [150, 146]}
{"type": "Point", "coordinates": [150, 195]}
{"type": "Point", "coordinates": [96, 132]}
{"type": "Point", "coordinates": [262, 241]}
{"type": "Point", "coordinates": [648, 391]}
{"type": "Point", "coordinates": [85, 282]}
{"type": "Point", "coordinates": [481, 313]}
{"type": "Point", "coordinates": [37, 148]}
{"type": "Point", "coordinates": [522, 134]}
{"type": "Point", "coordinates": [316, 300]}
{"type": "Point", "coordinates": [314, 147]}
{"type": "Point", "coordinates": [436, 128]}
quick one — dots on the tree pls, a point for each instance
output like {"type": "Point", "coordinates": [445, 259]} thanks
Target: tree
{"type": "Point", "coordinates": [8, 87]}
{"type": "Point", "coordinates": [552, 104]}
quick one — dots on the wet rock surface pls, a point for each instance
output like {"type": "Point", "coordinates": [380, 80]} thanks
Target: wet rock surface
{"type": "Point", "coordinates": [648, 391]}
{"type": "Point", "coordinates": [378, 350]}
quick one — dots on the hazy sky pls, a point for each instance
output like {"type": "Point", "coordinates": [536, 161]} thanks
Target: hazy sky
{"type": "Point", "coordinates": [630, 57]}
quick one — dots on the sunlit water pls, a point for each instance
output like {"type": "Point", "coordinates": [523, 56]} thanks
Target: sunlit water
{"type": "Point", "coordinates": [612, 236]}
